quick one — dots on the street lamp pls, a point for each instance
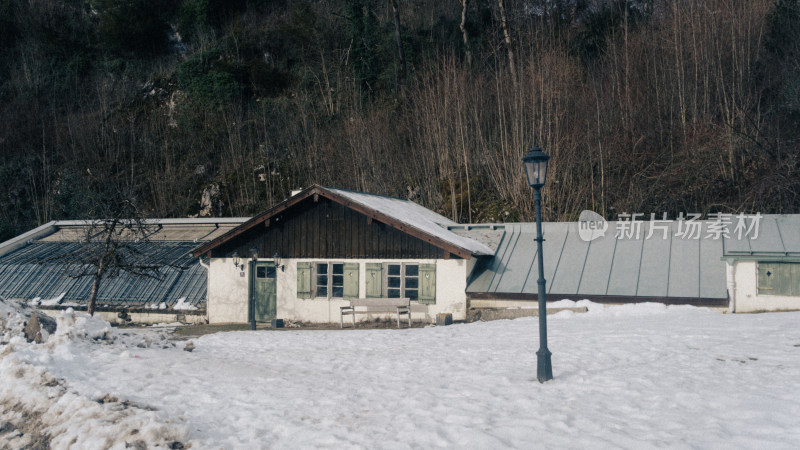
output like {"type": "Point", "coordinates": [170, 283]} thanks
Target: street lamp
{"type": "Point", "coordinates": [253, 257]}
{"type": "Point", "coordinates": [536, 170]}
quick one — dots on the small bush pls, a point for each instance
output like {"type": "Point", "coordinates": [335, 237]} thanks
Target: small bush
{"type": "Point", "coordinates": [209, 78]}
{"type": "Point", "coordinates": [267, 81]}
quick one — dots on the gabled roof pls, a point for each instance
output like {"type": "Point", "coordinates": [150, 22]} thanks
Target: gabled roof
{"type": "Point", "coordinates": [403, 215]}
{"type": "Point", "coordinates": [415, 216]}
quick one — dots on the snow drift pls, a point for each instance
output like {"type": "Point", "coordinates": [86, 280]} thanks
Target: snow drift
{"type": "Point", "coordinates": [39, 410]}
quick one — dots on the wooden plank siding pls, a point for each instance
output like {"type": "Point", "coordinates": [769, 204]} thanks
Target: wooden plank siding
{"type": "Point", "coordinates": [325, 229]}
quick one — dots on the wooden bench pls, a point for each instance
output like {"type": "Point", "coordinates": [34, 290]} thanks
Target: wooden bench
{"type": "Point", "coordinates": [401, 306]}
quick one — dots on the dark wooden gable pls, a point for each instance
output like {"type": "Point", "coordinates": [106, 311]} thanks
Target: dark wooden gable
{"type": "Point", "coordinates": [317, 227]}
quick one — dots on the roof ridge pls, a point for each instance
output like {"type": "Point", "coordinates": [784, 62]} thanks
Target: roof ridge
{"type": "Point", "coordinates": [372, 194]}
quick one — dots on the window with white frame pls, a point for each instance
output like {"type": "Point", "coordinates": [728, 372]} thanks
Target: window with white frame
{"type": "Point", "coordinates": [322, 280]}
{"type": "Point", "coordinates": [329, 280]}
{"type": "Point", "coordinates": [402, 280]}
{"type": "Point", "coordinates": [318, 279]}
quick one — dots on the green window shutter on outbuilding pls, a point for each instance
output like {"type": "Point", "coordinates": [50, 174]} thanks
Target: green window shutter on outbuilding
{"type": "Point", "coordinates": [303, 280]}
{"type": "Point", "coordinates": [778, 278]}
{"type": "Point", "coordinates": [427, 284]}
{"type": "Point", "coordinates": [374, 280]}
{"type": "Point", "coordinates": [350, 280]}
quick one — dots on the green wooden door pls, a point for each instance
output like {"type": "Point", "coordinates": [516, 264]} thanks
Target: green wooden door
{"type": "Point", "coordinates": [264, 291]}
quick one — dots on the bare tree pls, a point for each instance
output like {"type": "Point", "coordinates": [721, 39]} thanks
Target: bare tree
{"type": "Point", "coordinates": [464, 34]}
{"type": "Point", "coordinates": [400, 55]}
{"type": "Point", "coordinates": [507, 37]}
{"type": "Point", "coordinates": [114, 241]}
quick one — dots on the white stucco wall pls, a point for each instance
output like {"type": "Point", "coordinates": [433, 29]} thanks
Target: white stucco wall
{"type": "Point", "coordinates": [746, 295]}
{"type": "Point", "coordinates": [451, 284]}
{"type": "Point", "coordinates": [228, 292]}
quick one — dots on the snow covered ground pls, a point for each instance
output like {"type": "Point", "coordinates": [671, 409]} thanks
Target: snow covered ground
{"type": "Point", "coordinates": [636, 376]}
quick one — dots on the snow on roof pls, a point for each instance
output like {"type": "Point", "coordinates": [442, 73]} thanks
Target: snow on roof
{"type": "Point", "coordinates": [415, 216]}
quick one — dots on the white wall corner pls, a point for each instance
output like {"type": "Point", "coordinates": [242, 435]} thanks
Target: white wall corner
{"type": "Point", "coordinates": [731, 284]}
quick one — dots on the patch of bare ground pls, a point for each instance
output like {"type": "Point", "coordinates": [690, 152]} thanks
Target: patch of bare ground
{"type": "Point", "coordinates": [21, 428]}
{"type": "Point", "coordinates": [191, 331]}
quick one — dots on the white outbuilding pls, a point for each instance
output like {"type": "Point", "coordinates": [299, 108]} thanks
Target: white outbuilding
{"type": "Point", "coordinates": [763, 269]}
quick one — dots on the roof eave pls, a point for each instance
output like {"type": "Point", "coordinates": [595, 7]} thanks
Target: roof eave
{"type": "Point", "coordinates": [319, 190]}
{"type": "Point", "coordinates": [22, 240]}
{"type": "Point", "coordinates": [762, 256]}
{"type": "Point", "coordinates": [256, 220]}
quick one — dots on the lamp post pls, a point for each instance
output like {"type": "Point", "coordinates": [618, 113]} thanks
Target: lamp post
{"type": "Point", "coordinates": [536, 170]}
{"type": "Point", "coordinates": [253, 257]}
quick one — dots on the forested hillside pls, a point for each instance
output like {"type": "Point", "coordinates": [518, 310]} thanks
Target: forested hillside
{"type": "Point", "coordinates": [644, 105]}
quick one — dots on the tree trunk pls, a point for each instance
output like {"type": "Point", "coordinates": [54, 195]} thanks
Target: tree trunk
{"type": "Point", "coordinates": [464, 34]}
{"type": "Point", "coordinates": [400, 55]}
{"type": "Point", "coordinates": [95, 287]}
{"type": "Point", "coordinates": [507, 35]}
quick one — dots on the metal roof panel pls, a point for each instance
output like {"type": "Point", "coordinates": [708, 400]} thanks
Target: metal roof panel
{"type": "Point", "coordinates": [625, 267]}
{"type": "Point", "coordinates": [654, 268]}
{"type": "Point", "coordinates": [571, 265]}
{"type": "Point", "coordinates": [789, 227]}
{"type": "Point", "coordinates": [555, 235]}
{"type": "Point", "coordinates": [36, 271]}
{"type": "Point", "coordinates": [516, 263]}
{"type": "Point", "coordinates": [597, 269]}
{"type": "Point", "coordinates": [711, 271]}
{"type": "Point", "coordinates": [684, 267]}
{"type": "Point", "coordinates": [769, 238]}
{"type": "Point", "coordinates": [778, 235]}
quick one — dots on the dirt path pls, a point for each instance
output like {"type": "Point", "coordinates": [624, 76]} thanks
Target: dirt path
{"type": "Point", "coordinates": [193, 331]}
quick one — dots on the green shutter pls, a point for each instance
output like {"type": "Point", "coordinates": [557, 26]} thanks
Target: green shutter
{"type": "Point", "coordinates": [303, 280]}
{"type": "Point", "coordinates": [795, 280]}
{"type": "Point", "coordinates": [766, 278]}
{"type": "Point", "coordinates": [374, 280]}
{"type": "Point", "coordinates": [778, 278]}
{"type": "Point", "coordinates": [350, 280]}
{"type": "Point", "coordinates": [427, 284]}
